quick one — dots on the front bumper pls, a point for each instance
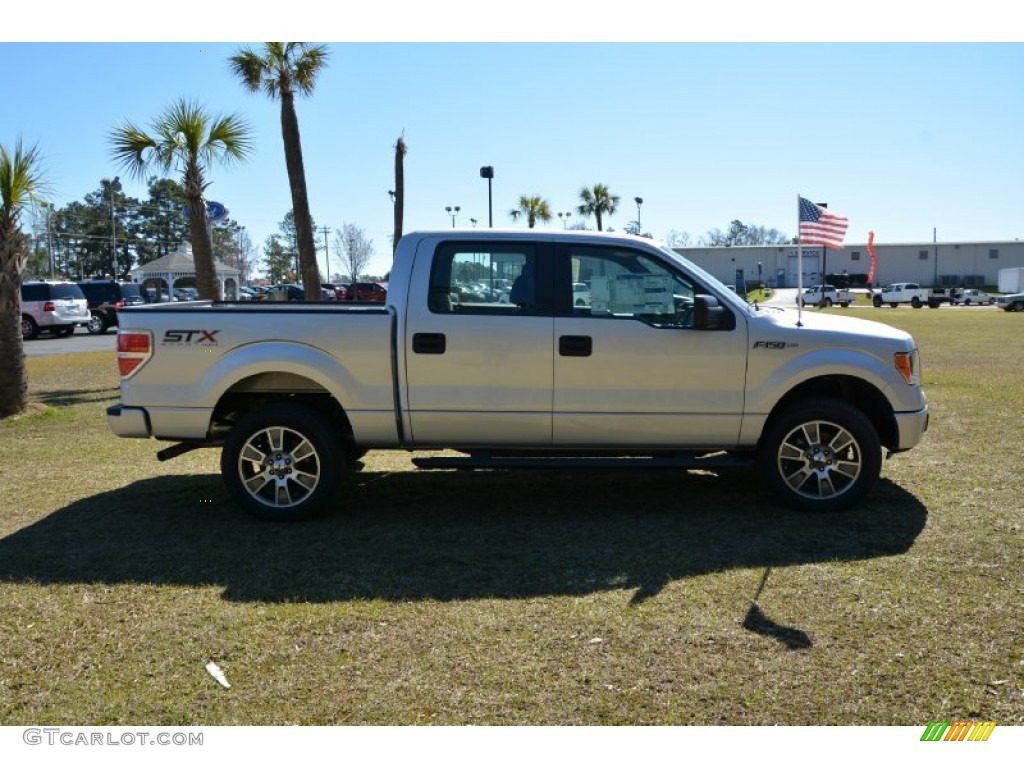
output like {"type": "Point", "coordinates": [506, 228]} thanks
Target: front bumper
{"type": "Point", "coordinates": [912, 428]}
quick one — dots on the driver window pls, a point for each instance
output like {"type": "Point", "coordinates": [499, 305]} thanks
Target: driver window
{"type": "Point", "coordinates": [617, 283]}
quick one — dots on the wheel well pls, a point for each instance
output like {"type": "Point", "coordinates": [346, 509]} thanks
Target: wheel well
{"type": "Point", "coordinates": [857, 392]}
{"type": "Point", "coordinates": [257, 391]}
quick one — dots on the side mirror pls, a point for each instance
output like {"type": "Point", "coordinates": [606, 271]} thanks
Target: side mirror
{"type": "Point", "coordinates": [709, 315]}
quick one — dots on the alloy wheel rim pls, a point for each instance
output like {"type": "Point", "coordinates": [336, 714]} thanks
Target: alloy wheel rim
{"type": "Point", "coordinates": [820, 460]}
{"type": "Point", "coordinates": [279, 467]}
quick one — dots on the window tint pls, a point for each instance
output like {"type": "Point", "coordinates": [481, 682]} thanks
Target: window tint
{"type": "Point", "coordinates": [35, 292]}
{"type": "Point", "coordinates": [619, 283]}
{"type": "Point", "coordinates": [66, 291]}
{"type": "Point", "coordinates": [484, 278]}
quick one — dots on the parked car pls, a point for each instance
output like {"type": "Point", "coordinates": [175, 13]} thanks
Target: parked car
{"type": "Point", "coordinates": [337, 290]}
{"type": "Point", "coordinates": [1011, 302]}
{"type": "Point", "coordinates": [56, 307]}
{"type": "Point", "coordinates": [371, 292]}
{"type": "Point", "coordinates": [185, 294]}
{"type": "Point", "coordinates": [970, 296]}
{"type": "Point", "coordinates": [286, 292]}
{"type": "Point", "coordinates": [105, 297]}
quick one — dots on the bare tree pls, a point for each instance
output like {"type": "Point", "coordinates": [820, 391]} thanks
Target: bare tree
{"type": "Point", "coordinates": [399, 192]}
{"type": "Point", "coordinates": [357, 249]}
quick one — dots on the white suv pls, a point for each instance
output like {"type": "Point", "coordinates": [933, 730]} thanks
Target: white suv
{"type": "Point", "coordinates": [54, 307]}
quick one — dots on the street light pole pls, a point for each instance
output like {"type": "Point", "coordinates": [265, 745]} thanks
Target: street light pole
{"type": "Point", "coordinates": [639, 201]}
{"type": "Point", "coordinates": [487, 172]}
{"type": "Point", "coordinates": [113, 224]}
{"type": "Point", "coordinates": [453, 212]}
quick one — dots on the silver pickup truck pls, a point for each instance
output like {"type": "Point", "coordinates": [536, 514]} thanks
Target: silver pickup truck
{"type": "Point", "coordinates": [487, 344]}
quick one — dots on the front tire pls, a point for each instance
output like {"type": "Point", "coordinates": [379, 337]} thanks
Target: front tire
{"type": "Point", "coordinates": [282, 463]}
{"type": "Point", "coordinates": [822, 455]}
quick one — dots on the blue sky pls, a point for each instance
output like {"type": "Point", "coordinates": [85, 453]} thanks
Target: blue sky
{"type": "Point", "coordinates": [901, 137]}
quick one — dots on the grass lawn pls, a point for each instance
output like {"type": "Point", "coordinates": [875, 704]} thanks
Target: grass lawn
{"type": "Point", "coordinates": [516, 598]}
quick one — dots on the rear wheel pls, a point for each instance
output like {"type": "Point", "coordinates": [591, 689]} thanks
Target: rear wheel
{"type": "Point", "coordinates": [96, 324]}
{"type": "Point", "coordinates": [282, 462]}
{"type": "Point", "coordinates": [29, 329]}
{"type": "Point", "coordinates": [915, 302]}
{"type": "Point", "coordinates": [822, 455]}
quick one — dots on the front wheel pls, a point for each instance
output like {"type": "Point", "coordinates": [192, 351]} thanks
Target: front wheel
{"type": "Point", "coordinates": [282, 462]}
{"type": "Point", "coordinates": [822, 455]}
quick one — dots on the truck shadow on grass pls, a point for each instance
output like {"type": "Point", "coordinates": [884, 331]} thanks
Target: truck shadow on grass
{"type": "Point", "coordinates": [451, 536]}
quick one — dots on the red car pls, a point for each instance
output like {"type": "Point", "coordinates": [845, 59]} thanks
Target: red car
{"type": "Point", "coordinates": [370, 292]}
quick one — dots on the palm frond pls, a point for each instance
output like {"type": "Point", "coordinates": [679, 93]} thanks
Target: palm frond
{"type": "Point", "coordinates": [250, 68]}
{"type": "Point", "coordinates": [21, 180]}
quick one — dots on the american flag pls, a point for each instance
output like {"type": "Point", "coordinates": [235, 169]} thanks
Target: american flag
{"type": "Point", "coordinates": [819, 226]}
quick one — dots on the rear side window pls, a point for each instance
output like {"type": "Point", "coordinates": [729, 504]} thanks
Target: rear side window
{"type": "Point", "coordinates": [485, 279]}
{"type": "Point", "coordinates": [34, 292]}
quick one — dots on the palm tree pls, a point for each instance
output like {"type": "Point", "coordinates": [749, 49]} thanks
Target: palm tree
{"type": "Point", "coordinates": [597, 201]}
{"type": "Point", "coordinates": [20, 183]}
{"type": "Point", "coordinates": [187, 138]}
{"type": "Point", "coordinates": [533, 208]}
{"type": "Point", "coordinates": [283, 70]}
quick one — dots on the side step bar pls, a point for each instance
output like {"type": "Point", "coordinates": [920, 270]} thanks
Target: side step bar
{"type": "Point", "coordinates": [676, 460]}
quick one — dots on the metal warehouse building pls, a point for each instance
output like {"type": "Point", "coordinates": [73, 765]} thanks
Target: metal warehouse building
{"type": "Point", "coordinates": [931, 264]}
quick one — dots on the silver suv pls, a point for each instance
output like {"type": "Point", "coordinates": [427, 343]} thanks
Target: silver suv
{"type": "Point", "coordinates": [52, 306]}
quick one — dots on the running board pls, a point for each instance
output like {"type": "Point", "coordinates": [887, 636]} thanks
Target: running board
{"type": "Point", "coordinates": [677, 460]}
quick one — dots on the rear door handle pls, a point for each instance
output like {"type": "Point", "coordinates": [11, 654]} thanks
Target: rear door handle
{"type": "Point", "coordinates": [429, 343]}
{"type": "Point", "coordinates": [575, 346]}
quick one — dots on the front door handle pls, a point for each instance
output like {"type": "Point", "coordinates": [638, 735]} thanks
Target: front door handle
{"type": "Point", "coordinates": [575, 346]}
{"type": "Point", "coordinates": [429, 343]}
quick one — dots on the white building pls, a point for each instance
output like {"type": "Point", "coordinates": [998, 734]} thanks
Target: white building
{"type": "Point", "coordinates": [931, 264]}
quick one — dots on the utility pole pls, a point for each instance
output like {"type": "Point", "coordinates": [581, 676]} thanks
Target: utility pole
{"type": "Point", "coordinates": [327, 251]}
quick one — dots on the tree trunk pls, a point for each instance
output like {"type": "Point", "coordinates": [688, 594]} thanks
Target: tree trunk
{"type": "Point", "coordinates": [300, 200]}
{"type": "Point", "coordinates": [13, 376]}
{"type": "Point", "coordinates": [199, 233]}
{"type": "Point", "coordinates": [399, 192]}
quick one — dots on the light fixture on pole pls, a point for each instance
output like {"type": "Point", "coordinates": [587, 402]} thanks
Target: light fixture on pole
{"type": "Point", "coordinates": [564, 218]}
{"type": "Point", "coordinates": [392, 193]}
{"type": "Point", "coordinates": [487, 172]}
{"type": "Point", "coordinates": [453, 211]}
{"type": "Point", "coordinates": [639, 201]}
{"type": "Point", "coordinates": [473, 222]}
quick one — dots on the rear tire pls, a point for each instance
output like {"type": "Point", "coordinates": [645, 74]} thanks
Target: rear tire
{"type": "Point", "coordinates": [29, 329]}
{"type": "Point", "coordinates": [822, 455]}
{"type": "Point", "coordinates": [96, 324]}
{"type": "Point", "coordinates": [282, 463]}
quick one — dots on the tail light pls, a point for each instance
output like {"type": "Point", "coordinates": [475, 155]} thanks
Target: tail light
{"type": "Point", "coordinates": [49, 307]}
{"type": "Point", "coordinates": [134, 348]}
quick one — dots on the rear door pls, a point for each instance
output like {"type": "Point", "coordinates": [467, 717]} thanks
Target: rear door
{"type": "Point", "coordinates": [478, 345]}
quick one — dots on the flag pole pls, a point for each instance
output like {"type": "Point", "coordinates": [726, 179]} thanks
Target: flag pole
{"type": "Point", "coordinates": [799, 268]}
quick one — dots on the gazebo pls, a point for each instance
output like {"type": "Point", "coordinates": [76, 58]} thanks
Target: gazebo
{"type": "Point", "coordinates": [180, 265]}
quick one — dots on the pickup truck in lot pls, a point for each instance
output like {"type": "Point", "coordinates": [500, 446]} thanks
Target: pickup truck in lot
{"type": "Point", "coordinates": [826, 295]}
{"type": "Point", "coordinates": [912, 294]}
{"type": "Point", "coordinates": [663, 366]}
